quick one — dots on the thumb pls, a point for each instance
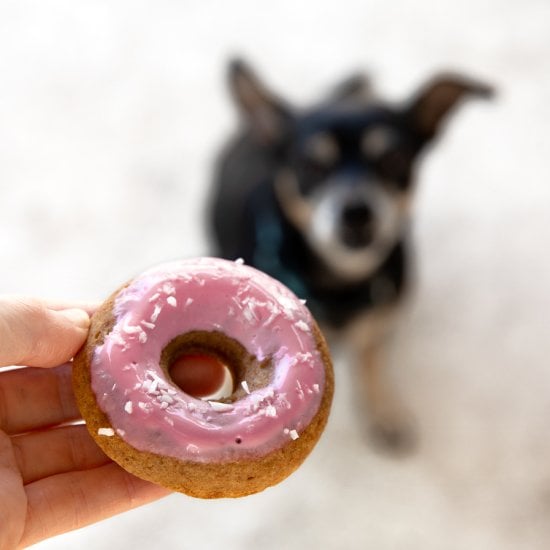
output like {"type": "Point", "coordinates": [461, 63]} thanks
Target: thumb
{"type": "Point", "coordinates": [34, 335]}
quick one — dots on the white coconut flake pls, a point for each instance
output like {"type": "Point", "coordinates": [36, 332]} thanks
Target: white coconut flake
{"type": "Point", "coordinates": [303, 302]}
{"type": "Point", "coordinates": [165, 398]}
{"type": "Point", "coordinates": [316, 388]}
{"type": "Point", "coordinates": [273, 314]}
{"type": "Point", "coordinates": [286, 431]}
{"type": "Point", "coordinates": [129, 407]}
{"type": "Point", "coordinates": [154, 297]}
{"type": "Point", "coordinates": [302, 325]}
{"type": "Point", "coordinates": [142, 405]}
{"type": "Point", "coordinates": [164, 405]}
{"type": "Point", "coordinates": [249, 315]}
{"type": "Point", "coordinates": [130, 329]}
{"type": "Point", "coordinates": [109, 432]}
{"type": "Point", "coordinates": [244, 384]}
{"type": "Point", "coordinates": [156, 312]}
{"type": "Point", "coordinates": [120, 432]}
{"type": "Point", "coordinates": [271, 411]}
{"type": "Point", "coordinates": [142, 337]}
{"type": "Point", "coordinates": [287, 303]}
{"type": "Point", "coordinates": [298, 336]}
{"type": "Point", "coordinates": [255, 400]}
{"type": "Point", "coordinates": [171, 301]}
{"type": "Point", "coordinates": [191, 407]}
{"type": "Point", "coordinates": [299, 389]}
{"type": "Point", "coordinates": [220, 407]}
{"type": "Point", "coordinates": [188, 302]}
{"type": "Point", "coordinates": [293, 435]}
{"type": "Point", "coordinates": [168, 288]}
{"type": "Point", "coordinates": [148, 325]}
{"type": "Point", "coordinates": [239, 261]}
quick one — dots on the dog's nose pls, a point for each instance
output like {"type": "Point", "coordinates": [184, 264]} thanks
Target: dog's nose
{"type": "Point", "coordinates": [357, 215]}
{"type": "Point", "coordinates": [357, 224]}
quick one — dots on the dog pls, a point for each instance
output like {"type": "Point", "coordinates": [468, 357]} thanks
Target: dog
{"type": "Point", "coordinates": [320, 198]}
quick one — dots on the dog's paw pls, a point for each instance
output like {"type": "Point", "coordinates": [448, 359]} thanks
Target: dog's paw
{"type": "Point", "coordinates": [395, 437]}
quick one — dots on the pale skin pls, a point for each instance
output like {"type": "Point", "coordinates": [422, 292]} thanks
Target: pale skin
{"type": "Point", "coordinates": [53, 477]}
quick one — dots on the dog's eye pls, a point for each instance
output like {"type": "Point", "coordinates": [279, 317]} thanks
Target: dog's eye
{"type": "Point", "coordinates": [321, 150]}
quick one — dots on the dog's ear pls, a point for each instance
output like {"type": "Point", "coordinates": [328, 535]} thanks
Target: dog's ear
{"type": "Point", "coordinates": [266, 115]}
{"type": "Point", "coordinates": [430, 106]}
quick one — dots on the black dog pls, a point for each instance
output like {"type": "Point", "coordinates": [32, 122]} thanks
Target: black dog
{"type": "Point", "coordinates": [319, 199]}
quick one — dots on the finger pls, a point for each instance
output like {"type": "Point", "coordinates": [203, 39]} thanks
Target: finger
{"type": "Point", "coordinates": [33, 398]}
{"type": "Point", "coordinates": [50, 452]}
{"type": "Point", "coordinates": [88, 306]}
{"type": "Point", "coordinates": [69, 501]}
{"type": "Point", "coordinates": [13, 503]}
{"type": "Point", "coordinates": [33, 334]}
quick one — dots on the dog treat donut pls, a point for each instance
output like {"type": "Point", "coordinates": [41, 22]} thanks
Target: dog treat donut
{"type": "Point", "coordinates": [281, 372]}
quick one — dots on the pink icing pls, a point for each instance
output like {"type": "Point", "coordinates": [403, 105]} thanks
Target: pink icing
{"type": "Point", "coordinates": [152, 414]}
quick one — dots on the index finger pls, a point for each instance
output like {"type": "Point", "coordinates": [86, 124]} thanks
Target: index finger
{"type": "Point", "coordinates": [90, 307]}
{"type": "Point", "coordinates": [34, 334]}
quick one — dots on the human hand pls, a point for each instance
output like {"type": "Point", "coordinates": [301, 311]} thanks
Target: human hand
{"type": "Point", "coordinates": [53, 477]}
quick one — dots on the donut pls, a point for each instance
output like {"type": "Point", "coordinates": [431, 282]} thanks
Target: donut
{"type": "Point", "coordinates": [280, 373]}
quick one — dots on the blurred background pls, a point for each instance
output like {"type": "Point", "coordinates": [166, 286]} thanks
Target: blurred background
{"type": "Point", "coordinates": [111, 115]}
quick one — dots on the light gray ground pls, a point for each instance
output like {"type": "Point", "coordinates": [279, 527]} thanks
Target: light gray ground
{"type": "Point", "coordinates": [110, 114]}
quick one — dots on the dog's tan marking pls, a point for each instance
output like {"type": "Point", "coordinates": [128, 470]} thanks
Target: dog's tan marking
{"type": "Point", "coordinates": [376, 141]}
{"type": "Point", "coordinates": [390, 424]}
{"type": "Point", "coordinates": [323, 149]}
{"type": "Point", "coordinates": [294, 206]}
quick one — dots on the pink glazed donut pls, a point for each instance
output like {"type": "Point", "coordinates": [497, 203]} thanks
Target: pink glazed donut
{"type": "Point", "coordinates": [280, 368]}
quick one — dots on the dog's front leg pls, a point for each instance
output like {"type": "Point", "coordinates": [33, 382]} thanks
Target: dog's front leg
{"type": "Point", "coordinates": [390, 425]}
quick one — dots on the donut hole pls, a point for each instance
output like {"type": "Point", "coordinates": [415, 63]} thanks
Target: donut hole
{"type": "Point", "coordinates": [213, 366]}
{"type": "Point", "coordinates": [202, 376]}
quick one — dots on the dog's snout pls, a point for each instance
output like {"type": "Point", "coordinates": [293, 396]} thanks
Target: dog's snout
{"type": "Point", "coordinates": [357, 229]}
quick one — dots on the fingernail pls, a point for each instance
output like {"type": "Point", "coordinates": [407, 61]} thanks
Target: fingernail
{"type": "Point", "coordinates": [76, 316]}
